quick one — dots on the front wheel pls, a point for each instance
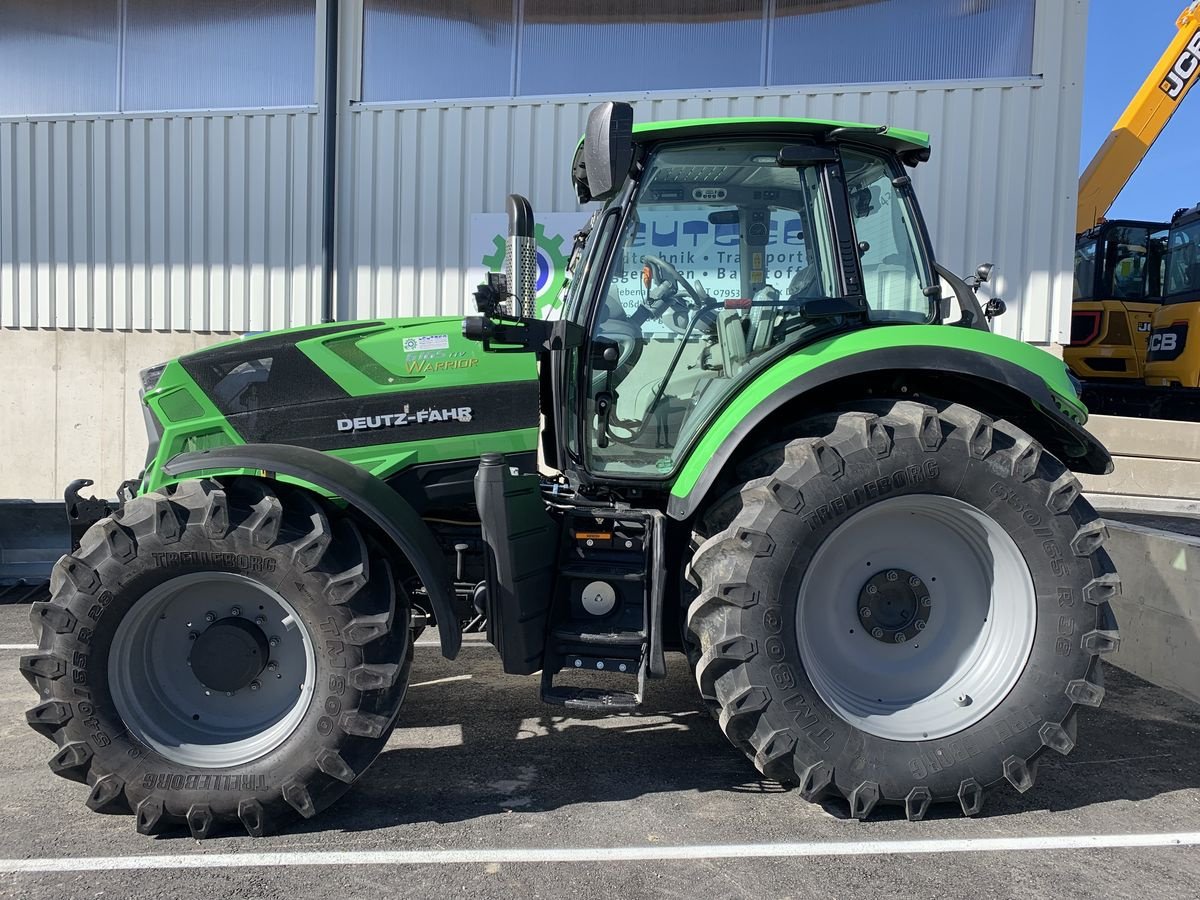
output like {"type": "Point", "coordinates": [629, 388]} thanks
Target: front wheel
{"type": "Point", "coordinates": [219, 654]}
{"type": "Point", "coordinates": [907, 609]}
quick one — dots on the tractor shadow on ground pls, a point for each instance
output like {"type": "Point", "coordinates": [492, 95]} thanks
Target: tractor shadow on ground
{"type": "Point", "coordinates": [483, 746]}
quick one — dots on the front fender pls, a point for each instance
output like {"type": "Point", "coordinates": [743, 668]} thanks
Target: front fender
{"type": "Point", "coordinates": [1000, 376]}
{"type": "Point", "coordinates": [361, 490]}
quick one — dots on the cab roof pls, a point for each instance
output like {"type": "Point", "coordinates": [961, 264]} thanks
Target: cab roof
{"type": "Point", "coordinates": [913, 145]}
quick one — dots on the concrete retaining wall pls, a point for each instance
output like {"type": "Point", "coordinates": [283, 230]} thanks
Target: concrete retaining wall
{"type": "Point", "coordinates": [1159, 610]}
{"type": "Point", "coordinates": [1155, 461]}
{"type": "Point", "coordinates": [69, 406]}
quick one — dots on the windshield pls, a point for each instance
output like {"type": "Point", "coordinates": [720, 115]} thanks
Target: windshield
{"type": "Point", "coordinates": [713, 271]}
{"type": "Point", "coordinates": [1183, 263]}
{"type": "Point", "coordinates": [889, 249]}
{"type": "Point", "coordinates": [1085, 269]}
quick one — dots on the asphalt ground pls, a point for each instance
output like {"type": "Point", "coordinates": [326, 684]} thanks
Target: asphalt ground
{"type": "Point", "coordinates": [485, 792]}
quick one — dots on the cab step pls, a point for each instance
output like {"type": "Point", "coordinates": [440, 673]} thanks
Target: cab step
{"type": "Point", "coordinates": [594, 699]}
{"type": "Point", "coordinates": [588, 634]}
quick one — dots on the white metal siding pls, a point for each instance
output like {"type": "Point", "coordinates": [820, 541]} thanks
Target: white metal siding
{"type": "Point", "coordinates": [174, 222]}
{"type": "Point", "coordinates": [212, 221]}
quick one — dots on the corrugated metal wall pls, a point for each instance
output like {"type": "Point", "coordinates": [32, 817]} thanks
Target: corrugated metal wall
{"type": "Point", "coordinates": [178, 222]}
{"type": "Point", "coordinates": [212, 221]}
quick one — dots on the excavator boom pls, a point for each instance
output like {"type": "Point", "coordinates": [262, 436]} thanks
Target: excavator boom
{"type": "Point", "coordinates": [1141, 122]}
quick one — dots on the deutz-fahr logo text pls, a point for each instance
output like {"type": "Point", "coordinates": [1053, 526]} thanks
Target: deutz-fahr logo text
{"type": "Point", "coordinates": [405, 417]}
{"type": "Point", "coordinates": [1183, 69]}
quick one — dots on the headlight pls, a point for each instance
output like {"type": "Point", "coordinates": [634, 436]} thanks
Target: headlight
{"type": "Point", "coordinates": [151, 376]}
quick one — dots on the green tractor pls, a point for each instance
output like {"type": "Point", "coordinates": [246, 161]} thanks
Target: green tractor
{"type": "Point", "coordinates": [752, 436]}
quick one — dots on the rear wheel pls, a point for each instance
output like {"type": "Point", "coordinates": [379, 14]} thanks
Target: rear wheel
{"type": "Point", "coordinates": [218, 654]}
{"type": "Point", "coordinates": [906, 609]}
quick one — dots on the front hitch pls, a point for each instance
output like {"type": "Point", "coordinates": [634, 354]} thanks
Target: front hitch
{"type": "Point", "coordinates": [83, 513]}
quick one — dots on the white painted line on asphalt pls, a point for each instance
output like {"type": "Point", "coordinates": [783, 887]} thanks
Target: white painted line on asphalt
{"type": "Point", "coordinates": [441, 680]}
{"type": "Point", "coordinates": [467, 645]}
{"type": "Point", "coordinates": [201, 860]}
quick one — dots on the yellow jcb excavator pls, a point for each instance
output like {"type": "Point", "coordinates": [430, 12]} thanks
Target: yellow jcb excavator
{"type": "Point", "coordinates": [1119, 264]}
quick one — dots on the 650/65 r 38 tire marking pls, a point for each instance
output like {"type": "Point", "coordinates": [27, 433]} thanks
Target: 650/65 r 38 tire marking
{"type": "Point", "coordinates": [947, 674]}
{"type": "Point", "coordinates": [219, 653]}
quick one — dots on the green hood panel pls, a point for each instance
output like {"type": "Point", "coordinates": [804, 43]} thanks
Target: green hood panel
{"type": "Point", "coordinates": [386, 394]}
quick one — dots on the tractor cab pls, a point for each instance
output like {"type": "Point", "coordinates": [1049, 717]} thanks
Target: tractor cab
{"type": "Point", "coordinates": [723, 246]}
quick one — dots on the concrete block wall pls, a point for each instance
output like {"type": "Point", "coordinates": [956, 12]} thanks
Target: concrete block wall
{"type": "Point", "coordinates": [69, 405]}
{"type": "Point", "coordinates": [1156, 464]}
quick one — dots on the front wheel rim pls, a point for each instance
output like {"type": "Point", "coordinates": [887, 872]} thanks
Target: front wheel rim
{"type": "Point", "coordinates": [931, 669]}
{"type": "Point", "coordinates": [215, 723]}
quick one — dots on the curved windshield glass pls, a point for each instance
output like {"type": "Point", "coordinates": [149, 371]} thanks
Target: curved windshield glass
{"type": "Point", "coordinates": [889, 249]}
{"type": "Point", "coordinates": [1085, 269]}
{"type": "Point", "coordinates": [717, 269]}
{"type": "Point", "coordinates": [1183, 262]}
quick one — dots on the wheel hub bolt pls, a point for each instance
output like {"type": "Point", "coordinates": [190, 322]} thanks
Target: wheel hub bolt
{"type": "Point", "coordinates": [210, 617]}
{"type": "Point", "coordinates": [272, 666]}
{"type": "Point", "coordinates": [192, 636]}
{"type": "Point", "coordinates": [274, 642]}
{"type": "Point", "coordinates": [920, 624]}
{"type": "Point", "coordinates": [876, 632]}
{"type": "Point", "coordinates": [914, 581]}
{"type": "Point", "coordinates": [236, 611]}
{"type": "Point", "coordinates": [254, 685]}
{"type": "Point", "coordinates": [872, 589]}
{"type": "Point", "coordinates": [865, 612]}
{"type": "Point", "coordinates": [927, 602]}
{"type": "Point", "coordinates": [260, 620]}
{"type": "Point", "coordinates": [901, 637]}
{"type": "Point", "coordinates": [892, 575]}
{"type": "Point", "coordinates": [229, 693]}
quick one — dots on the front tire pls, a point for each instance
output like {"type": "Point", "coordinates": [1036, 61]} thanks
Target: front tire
{"type": "Point", "coordinates": [907, 609]}
{"type": "Point", "coordinates": [219, 655]}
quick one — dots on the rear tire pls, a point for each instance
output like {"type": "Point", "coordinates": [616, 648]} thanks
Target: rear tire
{"type": "Point", "coordinates": [825, 683]}
{"type": "Point", "coordinates": [219, 654]}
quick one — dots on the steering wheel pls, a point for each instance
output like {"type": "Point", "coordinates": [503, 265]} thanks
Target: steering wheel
{"type": "Point", "coordinates": [657, 272]}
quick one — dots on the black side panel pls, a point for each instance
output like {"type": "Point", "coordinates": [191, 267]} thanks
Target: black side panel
{"type": "Point", "coordinates": [522, 542]}
{"type": "Point", "coordinates": [361, 490]}
{"type": "Point", "coordinates": [333, 423]}
{"type": "Point", "coordinates": [447, 484]}
{"type": "Point", "coordinates": [996, 387]}
{"type": "Point", "coordinates": [286, 374]}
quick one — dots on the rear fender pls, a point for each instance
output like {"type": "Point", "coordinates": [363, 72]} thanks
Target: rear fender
{"type": "Point", "coordinates": [999, 376]}
{"type": "Point", "coordinates": [360, 489]}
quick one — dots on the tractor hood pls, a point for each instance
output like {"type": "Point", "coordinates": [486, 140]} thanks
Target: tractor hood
{"type": "Point", "coordinates": [352, 387]}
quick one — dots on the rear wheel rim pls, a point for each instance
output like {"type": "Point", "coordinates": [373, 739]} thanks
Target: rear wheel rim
{"type": "Point", "coordinates": [956, 637]}
{"type": "Point", "coordinates": [225, 720]}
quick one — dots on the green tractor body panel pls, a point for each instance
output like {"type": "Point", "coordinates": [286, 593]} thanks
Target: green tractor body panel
{"type": "Point", "coordinates": [886, 350]}
{"type": "Point", "coordinates": [385, 395]}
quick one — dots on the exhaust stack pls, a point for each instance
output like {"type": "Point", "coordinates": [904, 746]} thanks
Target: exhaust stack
{"type": "Point", "coordinates": [520, 263]}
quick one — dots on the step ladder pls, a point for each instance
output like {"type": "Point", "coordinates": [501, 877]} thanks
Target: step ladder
{"type": "Point", "coordinates": [607, 612]}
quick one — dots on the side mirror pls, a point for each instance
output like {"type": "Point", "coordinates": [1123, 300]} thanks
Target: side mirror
{"type": "Point", "coordinates": [520, 259]}
{"type": "Point", "coordinates": [607, 149]}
